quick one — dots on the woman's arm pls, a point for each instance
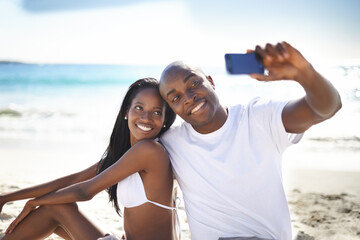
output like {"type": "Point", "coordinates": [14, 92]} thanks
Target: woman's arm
{"type": "Point", "coordinates": [42, 189]}
{"type": "Point", "coordinates": [144, 155]}
{"type": "Point", "coordinates": [140, 157]}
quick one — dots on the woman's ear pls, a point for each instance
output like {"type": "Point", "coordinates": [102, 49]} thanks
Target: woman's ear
{"type": "Point", "coordinates": [126, 114]}
{"type": "Point", "coordinates": [165, 120]}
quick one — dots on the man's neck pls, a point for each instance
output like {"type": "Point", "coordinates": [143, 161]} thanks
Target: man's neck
{"type": "Point", "coordinates": [216, 123]}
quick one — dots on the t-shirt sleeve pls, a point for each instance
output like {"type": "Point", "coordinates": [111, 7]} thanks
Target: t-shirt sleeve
{"type": "Point", "coordinates": [269, 112]}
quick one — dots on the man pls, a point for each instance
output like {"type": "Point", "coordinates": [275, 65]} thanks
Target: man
{"type": "Point", "coordinates": [228, 160]}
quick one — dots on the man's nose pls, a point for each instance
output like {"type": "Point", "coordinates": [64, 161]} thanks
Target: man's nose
{"type": "Point", "coordinates": [190, 97]}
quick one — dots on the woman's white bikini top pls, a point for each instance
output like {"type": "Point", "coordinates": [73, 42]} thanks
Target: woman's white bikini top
{"type": "Point", "coordinates": [131, 192]}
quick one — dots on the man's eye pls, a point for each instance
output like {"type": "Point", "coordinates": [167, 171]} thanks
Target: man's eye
{"type": "Point", "coordinates": [176, 98]}
{"type": "Point", "coordinates": [195, 83]}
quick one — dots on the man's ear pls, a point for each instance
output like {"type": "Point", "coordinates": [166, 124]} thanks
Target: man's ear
{"type": "Point", "coordinates": [211, 81]}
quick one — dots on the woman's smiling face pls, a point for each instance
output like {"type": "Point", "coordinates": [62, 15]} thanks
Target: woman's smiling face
{"type": "Point", "coordinates": [146, 115]}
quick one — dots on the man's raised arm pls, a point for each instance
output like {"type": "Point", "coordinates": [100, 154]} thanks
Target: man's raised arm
{"type": "Point", "coordinates": [321, 101]}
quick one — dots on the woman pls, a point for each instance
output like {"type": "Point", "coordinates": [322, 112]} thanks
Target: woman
{"type": "Point", "coordinates": [135, 170]}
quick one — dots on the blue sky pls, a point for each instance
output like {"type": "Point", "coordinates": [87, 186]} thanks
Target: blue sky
{"type": "Point", "coordinates": [158, 32]}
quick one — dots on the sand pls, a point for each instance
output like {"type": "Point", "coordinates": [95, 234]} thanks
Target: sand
{"type": "Point", "coordinates": [324, 204]}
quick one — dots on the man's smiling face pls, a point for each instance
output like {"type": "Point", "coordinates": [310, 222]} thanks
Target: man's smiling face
{"type": "Point", "coordinates": [190, 93]}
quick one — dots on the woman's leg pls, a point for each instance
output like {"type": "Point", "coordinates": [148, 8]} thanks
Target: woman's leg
{"type": "Point", "coordinates": [62, 233]}
{"type": "Point", "coordinates": [65, 220]}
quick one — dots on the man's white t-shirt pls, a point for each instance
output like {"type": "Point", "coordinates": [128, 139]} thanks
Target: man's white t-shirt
{"type": "Point", "coordinates": [231, 179]}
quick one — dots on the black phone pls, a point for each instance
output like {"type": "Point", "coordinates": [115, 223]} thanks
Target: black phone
{"type": "Point", "coordinates": [237, 63]}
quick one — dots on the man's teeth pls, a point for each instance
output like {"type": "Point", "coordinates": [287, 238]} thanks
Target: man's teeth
{"type": "Point", "coordinates": [144, 128]}
{"type": "Point", "coordinates": [197, 107]}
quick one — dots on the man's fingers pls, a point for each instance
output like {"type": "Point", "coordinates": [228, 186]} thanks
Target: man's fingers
{"type": "Point", "coordinates": [271, 53]}
{"type": "Point", "coordinates": [256, 76]}
{"type": "Point", "coordinates": [282, 62]}
{"type": "Point", "coordinates": [261, 77]}
{"type": "Point", "coordinates": [270, 49]}
{"type": "Point", "coordinates": [282, 51]}
{"type": "Point", "coordinates": [279, 52]}
{"type": "Point", "coordinates": [287, 46]}
{"type": "Point", "coordinates": [266, 58]}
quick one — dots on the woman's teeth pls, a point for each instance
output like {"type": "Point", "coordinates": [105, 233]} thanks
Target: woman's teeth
{"type": "Point", "coordinates": [144, 128]}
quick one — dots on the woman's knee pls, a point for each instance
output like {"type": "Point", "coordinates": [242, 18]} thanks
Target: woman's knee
{"type": "Point", "coordinates": [60, 211]}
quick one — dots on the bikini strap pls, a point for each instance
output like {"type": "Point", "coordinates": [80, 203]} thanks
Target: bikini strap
{"type": "Point", "coordinates": [177, 203]}
{"type": "Point", "coordinates": [161, 205]}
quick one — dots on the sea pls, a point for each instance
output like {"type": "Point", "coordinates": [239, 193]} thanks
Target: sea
{"type": "Point", "coordinates": [80, 102]}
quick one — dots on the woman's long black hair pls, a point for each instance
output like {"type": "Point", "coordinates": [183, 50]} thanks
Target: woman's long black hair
{"type": "Point", "coordinates": [120, 136]}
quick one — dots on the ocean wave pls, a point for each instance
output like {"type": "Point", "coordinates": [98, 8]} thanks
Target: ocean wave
{"type": "Point", "coordinates": [336, 139]}
{"type": "Point", "coordinates": [353, 94]}
{"type": "Point", "coordinates": [33, 113]}
{"type": "Point", "coordinates": [350, 142]}
{"type": "Point", "coordinates": [350, 70]}
{"type": "Point", "coordinates": [53, 123]}
{"type": "Point", "coordinates": [9, 113]}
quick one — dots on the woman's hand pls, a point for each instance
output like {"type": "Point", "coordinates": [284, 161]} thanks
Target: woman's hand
{"type": "Point", "coordinates": [1, 204]}
{"type": "Point", "coordinates": [29, 207]}
{"type": "Point", "coordinates": [3, 201]}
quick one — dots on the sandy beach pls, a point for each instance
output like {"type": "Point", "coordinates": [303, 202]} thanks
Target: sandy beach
{"type": "Point", "coordinates": [324, 204]}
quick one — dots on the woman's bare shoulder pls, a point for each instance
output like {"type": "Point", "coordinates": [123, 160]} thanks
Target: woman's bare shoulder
{"type": "Point", "coordinates": [152, 150]}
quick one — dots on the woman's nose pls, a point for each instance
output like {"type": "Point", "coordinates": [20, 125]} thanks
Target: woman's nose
{"type": "Point", "coordinates": [145, 115]}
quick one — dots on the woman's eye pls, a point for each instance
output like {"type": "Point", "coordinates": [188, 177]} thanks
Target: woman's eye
{"type": "Point", "coordinates": [137, 107]}
{"type": "Point", "coordinates": [159, 113]}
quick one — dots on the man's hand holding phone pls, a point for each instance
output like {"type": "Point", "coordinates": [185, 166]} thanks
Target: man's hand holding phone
{"type": "Point", "coordinates": [282, 61]}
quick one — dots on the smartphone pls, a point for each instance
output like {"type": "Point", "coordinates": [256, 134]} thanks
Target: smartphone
{"type": "Point", "coordinates": [237, 63]}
